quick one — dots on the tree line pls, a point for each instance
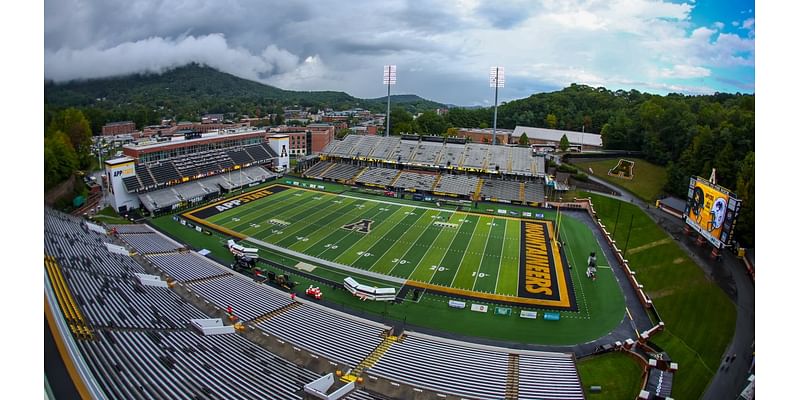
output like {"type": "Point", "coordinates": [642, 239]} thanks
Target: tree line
{"type": "Point", "coordinates": [688, 135]}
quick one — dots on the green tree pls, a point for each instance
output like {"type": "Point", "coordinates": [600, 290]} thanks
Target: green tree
{"type": "Point", "coordinates": [451, 132]}
{"type": "Point", "coordinates": [402, 122]}
{"type": "Point", "coordinates": [746, 190]}
{"type": "Point", "coordinates": [60, 160]}
{"type": "Point", "coordinates": [523, 140]}
{"type": "Point", "coordinates": [564, 144]}
{"type": "Point", "coordinates": [74, 124]}
{"type": "Point", "coordinates": [430, 123]}
{"type": "Point", "coordinates": [551, 121]}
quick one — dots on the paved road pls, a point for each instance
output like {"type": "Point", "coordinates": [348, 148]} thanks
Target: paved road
{"type": "Point", "coordinates": [730, 274]}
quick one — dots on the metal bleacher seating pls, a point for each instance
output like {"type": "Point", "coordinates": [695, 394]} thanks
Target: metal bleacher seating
{"type": "Point", "coordinates": [317, 170]}
{"type": "Point", "coordinates": [132, 183]}
{"type": "Point", "coordinates": [497, 189]}
{"type": "Point", "coordinates": [383, 147]}
{"type": "Point", "coordinates": [164, 172]}
{"type": "Point", "coordinates": [343, 340]}
{"type": "Point", "coordinates": [534, 192]}
{"type": "Point", "coordinates": [185, 266]}
{"type": "Point", "coordinates": [377, 176]}
{"type": "Point", "coordinates": [345, 147]}
{"type": "Point", "coordinates": [451, 155]}
{"type": "Point", "coordinates": [145, 177]}
{"type": "Point", "coordinates": [474, 155]}
{"type": "Point", "coordinates": [142, 348]}
{"type": "Point", "coordinates": [427, 153]}
{"type": "Point", "coordinates": [149, 242]}
{"type": "Point", "coordinates": [497, 159]}
{"type": "Point", "coordinates": [404, 151]}
{"type": "Point", "coordinates": [447, 367]}
{"type": "Point", "coordinates": [548, 376]}
{"type": "Point", "coordinates": [342, 172]}
{"type": "Point", "coordinates": [164, 364]}
{"type": "Point", "coordinates": [248, 299]}
{"type": "Point", "coordinates": [415, 181]}
{"type": "Point", "coordinates": [462, 185]}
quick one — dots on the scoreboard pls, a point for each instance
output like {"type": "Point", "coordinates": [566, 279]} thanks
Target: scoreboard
{"type": "Point", "coordinates": [711, 210]}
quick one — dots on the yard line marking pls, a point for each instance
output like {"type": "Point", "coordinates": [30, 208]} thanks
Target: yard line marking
{"type": "Point", "coordinates": [414, 244]}
{"type": "Point", "coordinates": [396, 204]}
{"type": "Point", "coordinates": [366, 236]}
{"type": "Point", "coordinates": [463, 254]}
{"type": "Point", "coordinates": [502, 250]}
{"type": "Point", "coordinates": [372, 265]}
{"type": "Point", "coordinates": [443, 255]}
{"type": "Point", "coordinates": [426, 251]}
{"type": "Point", "coordinates": [480, 263]}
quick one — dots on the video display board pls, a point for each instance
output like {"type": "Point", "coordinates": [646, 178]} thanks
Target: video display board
{"type": "Point", "coordinates": [711, 210]}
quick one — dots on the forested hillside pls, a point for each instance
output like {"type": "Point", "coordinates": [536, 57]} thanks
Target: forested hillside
{"type": "Point", "coordinates": [187, 92]}
{"type": "Point", "coordinates": [688, 135]}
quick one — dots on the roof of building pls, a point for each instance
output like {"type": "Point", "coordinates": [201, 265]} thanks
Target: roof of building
{"type": "Point", "coordinates": [205, 136]}
{"type": "Point", "coordinates": [555, 135]}
{"type": "Point", "coordinates": [674, 203]}
{"type": "Point", "coordinates": [118, 123]}
{"type": "Point", "coordinates": [120, 160]}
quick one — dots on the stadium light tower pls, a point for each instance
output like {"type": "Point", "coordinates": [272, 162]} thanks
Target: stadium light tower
{"type": "Point", "coordinates": [389, 79]}
{"type": "Point", "coordinates": [497, 79]}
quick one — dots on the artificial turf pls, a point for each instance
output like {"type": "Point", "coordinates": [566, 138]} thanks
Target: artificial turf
{"type": "Point", "coordinates": [600, 303]}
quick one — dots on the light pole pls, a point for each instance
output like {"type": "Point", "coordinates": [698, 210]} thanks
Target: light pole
{"type": "Point", "coordinates": [497, 79]}
{"type": "Point", "coordinates": [583, 128]}
{"type": "Point", "coordinates": [389, 79]}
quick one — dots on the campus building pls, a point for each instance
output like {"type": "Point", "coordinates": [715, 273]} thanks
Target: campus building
{"type": "Point", "coordinates": [193, 142]}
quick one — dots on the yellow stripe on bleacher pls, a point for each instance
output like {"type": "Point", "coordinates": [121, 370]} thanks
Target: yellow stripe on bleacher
{"type": "Point", "coordinates": [69, 307]}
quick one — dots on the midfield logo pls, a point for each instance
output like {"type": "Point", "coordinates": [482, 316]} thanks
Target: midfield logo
{"type": "Point", "coordinates": [362, 226]}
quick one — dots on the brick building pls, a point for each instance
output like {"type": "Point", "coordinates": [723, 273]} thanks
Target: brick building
{"type": "Point", "coordinates": [119, 128]}
{"type": "Point", "coordinates": [193, 143]}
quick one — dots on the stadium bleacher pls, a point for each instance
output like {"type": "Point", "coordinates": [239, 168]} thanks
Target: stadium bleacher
{"type": "Point", "coordinates": [445, 367]}
{"type": "Point", "coordinates": [185, 266]}
{"type": "Point", "coordinates": [416, 181]}
{"type": "Point", "coordinates": [199, 189]}
{"type": "Point", "coordinates": [382, 177]}
{"type": "Point", "coordinates": [248, 299]}
{"type": "Point", "coordinates": [479, 157]}
{"type": "Point", "coordinates": [342, 172]}
{"type": "Point", "coordinates": [534, 192]}
{"type": "Point", "coordinates": [548, 376]}
{"type": "Point", "coordinates": [504, 190]}
{"type": "Point", "coordinates": [143, 349]}
{"type": "Point", "coordinates": [354, 340]}
{"type": "Point", "coordinates": [460, 185]}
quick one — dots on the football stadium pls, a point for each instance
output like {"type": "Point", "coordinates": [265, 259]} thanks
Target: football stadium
{"type": "Point", "coordinates": [384, 268]}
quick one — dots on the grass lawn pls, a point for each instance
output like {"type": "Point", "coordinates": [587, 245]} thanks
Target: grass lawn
{"type": "Point", "coordinates": [699, 317]}
{"type": "Point", "coordinates": [109, 216]}
{"type": "Point", "coordinates": [648, 179]}
{"type": "Point", "coordinates": [618, 374]}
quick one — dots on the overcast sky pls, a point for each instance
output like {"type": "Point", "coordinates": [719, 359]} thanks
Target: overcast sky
{"type": "Point", "coordinates": [443, 49]}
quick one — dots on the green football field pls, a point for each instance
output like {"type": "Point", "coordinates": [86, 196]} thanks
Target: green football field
{"type": "Point", "coordinates": [426, 244]}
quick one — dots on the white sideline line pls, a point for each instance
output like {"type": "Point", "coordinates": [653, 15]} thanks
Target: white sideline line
{"type": "Point", "coordinates": [327, 263]}
{"type": "Point", "coordinates": [396, 204]}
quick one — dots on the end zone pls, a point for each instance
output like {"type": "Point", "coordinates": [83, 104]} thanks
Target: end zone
{"type": "Point", "coordinates": [543, 274]}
